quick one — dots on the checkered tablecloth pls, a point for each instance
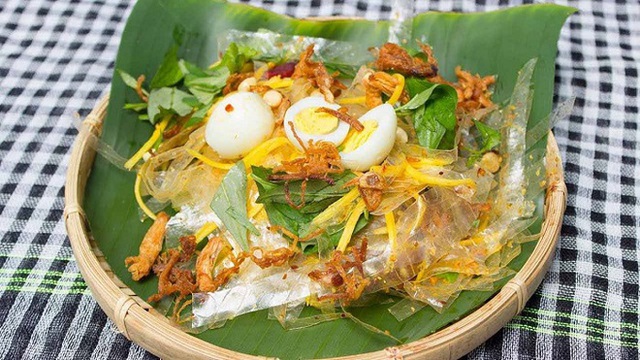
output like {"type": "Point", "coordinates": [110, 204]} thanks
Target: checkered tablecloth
{"type": "Point", "coordinates": [56, 61]}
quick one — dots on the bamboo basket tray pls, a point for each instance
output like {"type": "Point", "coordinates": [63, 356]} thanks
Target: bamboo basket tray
{"type": "Point", "coordinates": [141, 323]}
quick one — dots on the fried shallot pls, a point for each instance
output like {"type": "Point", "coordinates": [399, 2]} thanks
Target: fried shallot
{"type": "Point", "coordinates": [281, 109]}
{"type": "Point", "coordinates": [394, 57]}
{"type": "Point", "coordinates": [173, 277]}
{"type": "Point", "coordinates": [343, 274]}
{"type": "Point", "coordinates": [223, 276]}
{"type": "Point", "coordinates": [317, 74]}
{"type": "Point", "coordinates": [473, 90]}
{"type": "Point", "coordinates": [377, 83]}
{"type": "Point", "coordinates": [342, 114]}
{"type": "Point", "coordinates": [140, 266]}
{"type": "Point", "coordinates": [320, 159]}
{"type": "Point", "coordinates": [277, 257]}
{"type": "Point", "coordinates": [371, 187]}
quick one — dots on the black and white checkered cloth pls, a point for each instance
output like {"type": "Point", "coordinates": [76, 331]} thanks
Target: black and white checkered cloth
{"type": "Point", "coordinates": [56, 60]}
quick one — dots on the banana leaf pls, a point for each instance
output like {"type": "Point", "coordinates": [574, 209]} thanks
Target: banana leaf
{"type": "Point", "coordinates": [488, 43]}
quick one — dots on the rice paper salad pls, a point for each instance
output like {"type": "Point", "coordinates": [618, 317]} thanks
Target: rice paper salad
{"type": "Point", "coordinates": [300, 172]}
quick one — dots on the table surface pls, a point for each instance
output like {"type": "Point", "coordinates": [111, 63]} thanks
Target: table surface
{"type": "Point", "coordinates": [56, 61]}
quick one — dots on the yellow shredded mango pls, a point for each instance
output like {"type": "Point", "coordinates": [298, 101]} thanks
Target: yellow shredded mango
{"type": "Point", "coordinates": [397, 92]}
{"type": "Point", "coordinates": [437, 181]}
{"type": "Point", "coordinates": [352, 100]}
{"type": "Point", "coordinates": [391, 228]}
{"type": "Point", "coordinates": [429, 162]}
{"type": "Point", "coordinates": [347, 233]}
{"type": "Point", "coordinates": [206, 160]}
{"type": "Point", "coordinates": [263, 69]}
{"type": "Point", "coordinates": [277, 82]}
{"type": "Point", "coordinates": [255, 210]}
{"type": "Point", "coordinates": [204, 231]}
{"type": "Point", "coordinates": [258, 154]}
{"type": "Point", "coordinates": [340, 204]}
{"type": "Point", "coordinates": [157, 133]}
{"type": "Point", "coordinates": [143, 206]}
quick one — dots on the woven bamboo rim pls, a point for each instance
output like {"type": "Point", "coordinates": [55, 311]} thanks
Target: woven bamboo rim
{"type": "Point", "coordinates": [140, 323]}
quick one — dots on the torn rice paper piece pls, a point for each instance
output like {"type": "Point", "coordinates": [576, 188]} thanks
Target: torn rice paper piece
{"type": "Point", "coordinates": [282, 286]}
{"type": "Point", "coordinates": [274, 47]}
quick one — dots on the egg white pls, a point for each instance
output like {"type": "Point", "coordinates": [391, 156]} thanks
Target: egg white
{"type": "Point", "coordinates": [379, 144]}
{"type": "Point", "coordinates": [335, 137]}
{"type": "Point", "coordinates": [240, 122]}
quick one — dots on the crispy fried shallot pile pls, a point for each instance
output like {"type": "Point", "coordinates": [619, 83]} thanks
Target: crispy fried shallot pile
{"type": "Point", "coordinates": [473, 90]}
{"type": "Point", "coordinates": [317, 74]}
{"type": "Point", "coordinates": [320, 159]}
{"type": "Point", "coordinates": [344, 274]}
{"type": "Point", "coordinates": [378, 83]}
{"type": "Point", "coordinates": [392, 57]}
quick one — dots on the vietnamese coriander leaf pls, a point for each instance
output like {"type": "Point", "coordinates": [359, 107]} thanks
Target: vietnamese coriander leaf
{"type": "Point", "coordinates": [169, 72]}
{"type": "Point", "coordinates": [165, 101]}
{"type": "Point", "coordinates": [230, 205]}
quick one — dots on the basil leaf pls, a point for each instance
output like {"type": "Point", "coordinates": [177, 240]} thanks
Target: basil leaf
{"type": "Point", "coordinates": [442, 107]}
{"type": "Point", "coordinates": [432, 108]}
{"type": "Point", "coordinates": [417, 100]}
{"type": "Point", "coordinates": [169, 72]}
{"type": "Point", "coordinates": [204, 84]}
{"type": "Point", "coordinates": [230, 204]}
{"type": "Point", "coordinates": [167, 100]}
{"type": "Point", "coordinates": [318, 196]}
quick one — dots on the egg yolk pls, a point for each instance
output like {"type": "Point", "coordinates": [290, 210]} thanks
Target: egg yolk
{"type": "Point", "coordinates": [355, 139]}
{"type": "Point", "coordinates": [315, 123]}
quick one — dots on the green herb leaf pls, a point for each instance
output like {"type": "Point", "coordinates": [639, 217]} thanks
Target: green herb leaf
{"type": "Point", "coordinates": [432, 107]}
{"type": "Point", "coordinates": [167, 101]}
{"type": "Point", "coordinates": [448, 276]}
{"type": "Point", "coordinates": [169, 72]}
{"type": "Point", "coordinates": [489, 136]}
{"type": "Point", "coordinates": [319, 195]}
{"type": "Point", "coordinates": [235, 58]}
{"type": "Point", "coordinates": [230, 205]}
{"type": "Point", "coordinates": [197, 117]}
{"type": "Point", "coordinates": [130, 81]}
{"type": "Point", "coordinates": [135, 106]}
{"type": "Point", "coordinates": [345, 70]}
{"type": "Point", "coordinates": [418, 100]}
{"type": "Point", "coordinates": [489, 139]}
{"type": "Point", "coordinates": [204, 84]}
